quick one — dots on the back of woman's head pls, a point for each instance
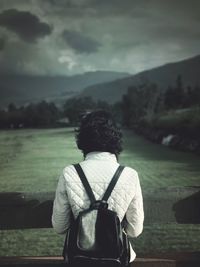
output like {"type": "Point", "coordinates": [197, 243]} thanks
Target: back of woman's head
{"type": "Point", "coordinates": [99, 132]}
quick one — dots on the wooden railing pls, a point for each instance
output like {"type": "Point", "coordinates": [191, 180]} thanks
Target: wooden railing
{"type": "Point", "coordinates": [164, 205]}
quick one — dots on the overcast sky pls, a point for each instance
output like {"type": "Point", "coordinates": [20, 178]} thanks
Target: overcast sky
{"type": "Point", "coordinates": [74, 36]}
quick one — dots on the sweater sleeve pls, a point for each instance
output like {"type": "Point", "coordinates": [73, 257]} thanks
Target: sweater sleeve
{"type": "Point", "coordinates": [135, 213]}
{"type": "Point", "coordinates": [61, 216]}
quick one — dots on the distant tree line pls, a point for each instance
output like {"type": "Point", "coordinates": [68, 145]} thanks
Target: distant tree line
{"type": "Point", "coordinates": [159, 115]}
{"type": "Point", "coordinates": [182, 97]}
{"type": "Point", "coordinates": [142, 102]}
{"type": "Point", "coordinates": [42, 114]}
{"type": "Point", "coordinates": [147, 100]}
{"type": "Point", "coordinates": [75, 107]}
{"type": "Point", "coordinates": [47, 115]}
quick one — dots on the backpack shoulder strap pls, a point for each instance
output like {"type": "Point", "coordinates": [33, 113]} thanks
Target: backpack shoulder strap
{"type": "Point", "coordinates": [113, 183]}
{"type": "Point", "coordinates": [85, 183]}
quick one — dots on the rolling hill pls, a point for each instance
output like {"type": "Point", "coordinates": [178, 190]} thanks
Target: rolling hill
{"type": "Point", "coordinates": [163, 76]}
{"type": "Point", "coordinates": [23, 89]}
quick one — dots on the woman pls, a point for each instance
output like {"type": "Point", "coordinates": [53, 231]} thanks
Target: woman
{"type": "Point", "coordinates": [100, 141]}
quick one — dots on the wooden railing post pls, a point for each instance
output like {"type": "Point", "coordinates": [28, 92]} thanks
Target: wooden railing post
{"type": "Point", "coordinates": [162, 205]}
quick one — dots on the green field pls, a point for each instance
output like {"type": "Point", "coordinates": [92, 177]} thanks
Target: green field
{"type": "Point", "coordinates": [32, 160]}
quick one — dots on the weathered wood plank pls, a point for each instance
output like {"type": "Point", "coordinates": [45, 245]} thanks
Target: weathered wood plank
{"type": "Point", "coordinates": [172, 204]}
{"type": "Point", "coordinates": [162, 205]}
{"type": "Point", "coordinates": [25, 210]}
{"type": "Point", "coordinates": [161, 260]}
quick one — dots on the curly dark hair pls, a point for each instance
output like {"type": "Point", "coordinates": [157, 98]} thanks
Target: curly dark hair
{"type": "Point", "coordinates": [99, 132]}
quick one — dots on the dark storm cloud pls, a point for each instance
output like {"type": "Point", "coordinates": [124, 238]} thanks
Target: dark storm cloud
{"type": "Point", "coordinates": [79, 42]}
{"type": "Point", "coordinates": [66, 3]}
{"type": "Point", "coordinates": [176, 33]}
{"type": "Point", "coordinates": [143, 8]}
{"type": "Point", "coordinates": [25, 24]}
{"type": "Point", "coordinates": [96, 7]}
{"type": "Point", "coordinates": [128, 35]}
{"type": "Point", "coordinates": [2, 43]}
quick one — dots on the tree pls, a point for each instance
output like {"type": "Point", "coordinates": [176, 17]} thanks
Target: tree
{"type": "Point", "coordinates": [74, 107]}
{"type": "Point", "coordinates": [174, 96]}
{"type": "Point", "coordinates": [12, 107]}
{"type": "Point", "coordinates": [169, 98]}
{"type": "Point", "coordinates": [178, 93]}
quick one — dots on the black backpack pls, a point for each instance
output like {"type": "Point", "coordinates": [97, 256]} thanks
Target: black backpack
{"type": "Point", "coordinates": [96, 237]}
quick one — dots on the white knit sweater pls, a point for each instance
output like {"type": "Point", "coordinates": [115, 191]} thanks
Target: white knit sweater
{"type": "Point", "coordinates": [99, 168]}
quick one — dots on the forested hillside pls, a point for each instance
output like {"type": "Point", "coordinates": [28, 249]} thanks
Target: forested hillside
{"type": "Point", "coordinates": [170, 116]}
{"type": "Point", "coordinates": [163, 76]}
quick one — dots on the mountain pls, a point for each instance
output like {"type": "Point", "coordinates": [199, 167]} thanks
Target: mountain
{"type": "Point", "coordinates": [163, 76]}
{"type": "Point", "coordinates": [23, 89]}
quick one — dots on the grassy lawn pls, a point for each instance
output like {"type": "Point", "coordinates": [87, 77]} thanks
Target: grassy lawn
{"type": "Point", "coordinates": [160, 166]}
{"type": "Point", "coordinates": [32, 160]}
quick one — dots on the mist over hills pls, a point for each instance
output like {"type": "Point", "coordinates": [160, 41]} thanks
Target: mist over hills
{"type": "Point", "coordinates": [164, 76]}
{"type": "Point", "coordinates": [24, 89]}
{"type": "Point", "coordinates": [100, 85]}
